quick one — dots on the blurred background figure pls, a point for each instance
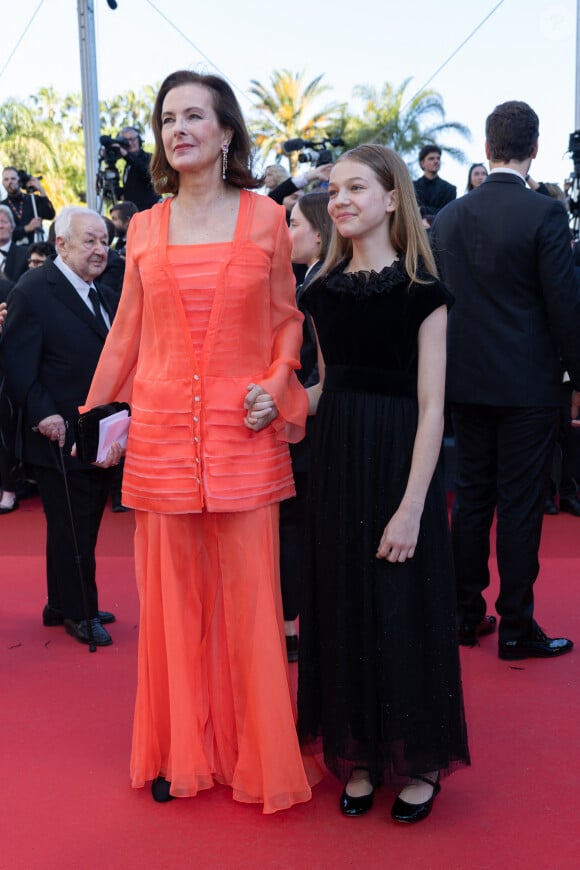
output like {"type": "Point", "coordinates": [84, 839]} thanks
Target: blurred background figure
{"type": "Point", "coordinates": [310, 227]}
{"type": "Point", "coordinates": [431, 190]}
{"type": "Point", "coordinates": [12, 256]}
{"type": "Point", "coordinates": [274, 175]}
{"type": "Point", "coordinates": [29, 208]}
{"type": "Point", "coordinates": [476, 176]}
{"type": "Point", "coordinates": [121, 215]}
{"type": "Point", "coordinates": [38, 252]}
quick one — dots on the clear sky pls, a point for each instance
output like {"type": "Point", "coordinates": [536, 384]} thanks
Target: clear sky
{"type": "Point", "coordinates": [525, 50]}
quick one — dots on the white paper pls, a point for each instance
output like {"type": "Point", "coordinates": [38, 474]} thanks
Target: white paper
{"type": "Point", "coordinates": [111, 429]}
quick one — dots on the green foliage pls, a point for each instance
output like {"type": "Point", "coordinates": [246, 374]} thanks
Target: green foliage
{"type": "Point", "coordinates": [44, 136]}
{"type": "Point", "coordinates": [389, 118]}
{"type": "Point", "coordinates": [286, 110]}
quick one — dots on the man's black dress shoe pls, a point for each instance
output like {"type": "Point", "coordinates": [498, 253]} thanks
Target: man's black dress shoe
{"type": "Point", "coordinates": [356, 806]}
{"type": "Point", "coordinates": [550, 506]}
{"type": "Point", "coordinates": [80, 630]}
{"type": "Point", "coordinates": [402, 811]}
{"type": "Point", "coordinates": [51, 616]}
{"type": "Point", "coordinates": [292, 647]}
{"type": "Point", "coordinates": [570, 505]}
{"type": "Point", "coordinates": [467, 634]}
{"type": "Point", "coordinates": [537, 645]}
{"type": "Point", "coordinates": [160, 790]}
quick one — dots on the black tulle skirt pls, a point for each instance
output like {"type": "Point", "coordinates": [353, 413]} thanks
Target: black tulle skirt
{"type": "Point", "coordinates": [379, 675]}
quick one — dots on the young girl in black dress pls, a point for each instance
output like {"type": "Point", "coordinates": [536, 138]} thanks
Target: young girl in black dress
{"type": "Point", "coordinates": [379, 688]}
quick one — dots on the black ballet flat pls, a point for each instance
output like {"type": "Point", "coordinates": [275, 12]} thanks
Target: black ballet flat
{"type": "Point", "coordinates": [160, 790]}
{"type": "Point", "coordinates": [356, 806]}
{"type": "Point", "coordinates": [408, 813]}
{"type": "Point", "coordinates": [9, 510]}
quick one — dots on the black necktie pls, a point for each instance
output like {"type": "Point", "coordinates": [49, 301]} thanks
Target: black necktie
{"type": "Point", "coordinates": [96, 303]}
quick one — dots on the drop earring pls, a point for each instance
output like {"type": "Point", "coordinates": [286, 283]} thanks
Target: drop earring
{"type": "Point", "coordinates": [225, 149]}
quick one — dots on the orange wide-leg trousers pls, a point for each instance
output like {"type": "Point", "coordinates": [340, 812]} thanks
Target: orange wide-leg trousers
{"type": "Point", "coordinates": [213, 695]}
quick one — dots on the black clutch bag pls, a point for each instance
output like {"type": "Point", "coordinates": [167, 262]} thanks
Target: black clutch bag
{"type": "Point", "coordinates": [87, 428]}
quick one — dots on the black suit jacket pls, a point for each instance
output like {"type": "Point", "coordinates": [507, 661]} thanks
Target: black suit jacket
{"type": "Point", "coordinates": [16, 262]}
{"type": "Point", "coordinates": [137, 185]}
{"type": "Point", "coordinates": [114, 273]}
{"type": "Point", "coordinates": [49, 350]}
{"type": "Point", "coordinates": [504, 251]}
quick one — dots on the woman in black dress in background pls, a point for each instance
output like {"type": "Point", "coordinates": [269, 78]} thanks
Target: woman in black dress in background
{"type": "Point", "coordinates": [310, 228]}
{"type": "Point", "coordinates": [379, 680]}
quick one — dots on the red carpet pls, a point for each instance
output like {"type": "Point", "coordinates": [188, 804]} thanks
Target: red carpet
{"type": "Point", "coordinates": [65, 726]}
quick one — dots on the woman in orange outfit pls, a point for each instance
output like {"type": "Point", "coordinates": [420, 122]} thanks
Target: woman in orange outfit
{"type": "Point", "coordinates": [204, 347]}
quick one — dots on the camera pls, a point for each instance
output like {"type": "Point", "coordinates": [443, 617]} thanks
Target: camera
{"type": "Point", "coordinates": [24, 178]}
{"type": "Point", "coordinates": [318, 158]}
{"type": "Point", "coordinates": [110, 146]}
{"type": "Point", "coordinates": [313, 152]}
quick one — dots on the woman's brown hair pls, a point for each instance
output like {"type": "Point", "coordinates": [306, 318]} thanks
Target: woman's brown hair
{"type": "Point", "coordinates": [229, 115]}
{"type": "Point", "coordinates": [407, 233]}
{"type": "Point", "coordinates": [314, 207]}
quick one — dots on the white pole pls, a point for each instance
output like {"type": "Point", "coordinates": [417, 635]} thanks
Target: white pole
{"type": "Point", "coordinates": [90, 95]}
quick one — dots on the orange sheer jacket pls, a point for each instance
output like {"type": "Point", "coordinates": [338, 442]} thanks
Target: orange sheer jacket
{"type": "Point", "coordinates": [188, 447]}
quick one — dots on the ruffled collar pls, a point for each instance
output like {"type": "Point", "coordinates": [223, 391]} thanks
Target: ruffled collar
{"type": "Point", "coordinates": [364, 283]}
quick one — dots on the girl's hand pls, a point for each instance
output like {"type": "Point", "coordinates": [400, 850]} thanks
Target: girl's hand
{"type": "Point", "coordinates": [399, 539]}
{"type": "Point", "coordinates": [261, 408]}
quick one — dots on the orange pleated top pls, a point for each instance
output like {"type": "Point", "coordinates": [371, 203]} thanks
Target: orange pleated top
{"type": "Point", "coordinates": [188, 448]}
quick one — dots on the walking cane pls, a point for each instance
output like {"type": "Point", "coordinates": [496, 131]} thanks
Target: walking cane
{"type": "Point", "coordinates": [92, 645]}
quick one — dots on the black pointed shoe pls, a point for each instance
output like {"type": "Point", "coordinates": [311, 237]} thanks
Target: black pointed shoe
{"type": "Point", "coordinates": [356, 806]}
{"type": "Point", "coordinates": [537, 645]}
{"type": "Point", "coordinates": [160, 790]}
{"type": "Point", "coordinates": [467, 635]}
{"type": "Point", "coordinates": [570, 505]}
{"type": "Point", "coordinates": [51, 616]}
{"type": "Point", "coordinates": [80, 630]}
{"type": "Point", "coordinates": [407, 813]}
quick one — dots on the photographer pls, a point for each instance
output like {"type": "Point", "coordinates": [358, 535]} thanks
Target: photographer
{"type": "Point", "coordinates": [137, 185]}
{"type": "Point", "coordinates": [28, 209]}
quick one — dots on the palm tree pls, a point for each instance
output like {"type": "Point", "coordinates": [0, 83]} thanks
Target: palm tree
{"type": "Point", "coordinates": [25, 141]}
{"type": "Point", "coordinates": [71, 114]}
{"type": "Point", "coordinates": [39, 146]}
{"type": "Point", "coordinates": [128, 109]}
{"type": "Point", "coordinates": [388, 118]}
{"type": "Point", "coordinates": [286, 111]}
{"type": "Point", "coordinates": [49, 104]}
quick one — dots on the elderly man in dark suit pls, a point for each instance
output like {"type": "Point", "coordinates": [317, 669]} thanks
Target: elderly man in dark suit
{"type": "Point", "coordinates": [53, 335]}
{"type": "Point", "coordinates": [505, 253]}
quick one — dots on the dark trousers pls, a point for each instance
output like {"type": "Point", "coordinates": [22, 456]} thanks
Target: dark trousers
{"type": "Point", "coordinates": [88, 493]}
{"type": "Point", "coordinates": [292, 515]}
{"type": "Point", "coordinates": [11, 474]}
{"type": "Point", "coordinates": [504, 457]}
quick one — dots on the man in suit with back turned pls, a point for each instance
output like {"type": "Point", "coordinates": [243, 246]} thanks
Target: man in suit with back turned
{"type": "Point", "coordinates": [505, 253]}
{"type": "Point", "coordinates": [56, 327]}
